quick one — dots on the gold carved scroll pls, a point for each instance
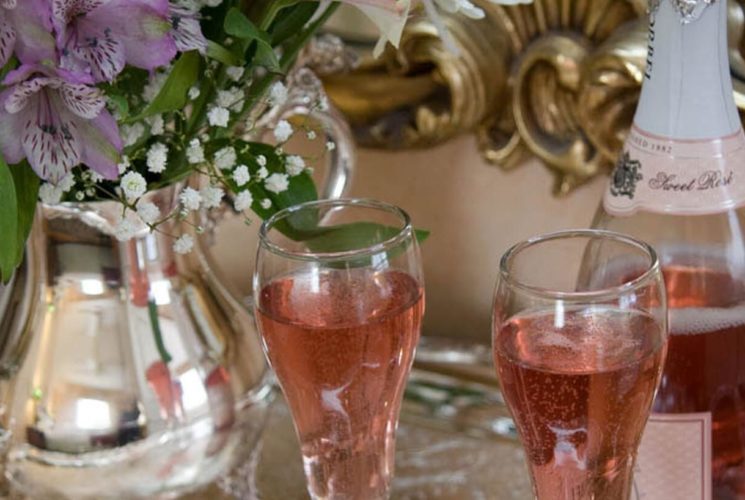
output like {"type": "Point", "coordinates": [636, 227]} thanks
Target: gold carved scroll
{"type": "Point", "coordinates": [556, 79]}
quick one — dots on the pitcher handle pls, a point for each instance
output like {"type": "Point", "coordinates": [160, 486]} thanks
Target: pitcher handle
{"type": "Point", "coordinates": [306, 97]}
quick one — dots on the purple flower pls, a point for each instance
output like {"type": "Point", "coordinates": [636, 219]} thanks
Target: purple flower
{"type": "Point", "coordinates": [25, 26]}
{"type": "Point", "coordinates": [57, 120]}
{"type": "Point", "coordinates": [101, 36]}
{"type": "Point", "coordinates": [7, 32]}
{"type": "Point", "coordinates": [185, 29]}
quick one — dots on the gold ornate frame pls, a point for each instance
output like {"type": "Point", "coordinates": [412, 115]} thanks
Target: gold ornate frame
{"type": "Point", "coordinates": [558, 79]}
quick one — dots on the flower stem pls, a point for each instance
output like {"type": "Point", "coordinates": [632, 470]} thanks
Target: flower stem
{"type": "Point", "coordinates": [157, 334]}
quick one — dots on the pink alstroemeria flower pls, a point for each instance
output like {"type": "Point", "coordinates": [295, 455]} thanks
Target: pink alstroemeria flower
{"type": "Point", "coordinates": [57, 120]}
{"type": "Point", "coordinates": [390, 16]}
{"type": "Point", "coordinates": [25, 27]}
{"type": "Point", "coordinates": [101, 36]}
{"type": "Point", "coordinates": [185, 29]}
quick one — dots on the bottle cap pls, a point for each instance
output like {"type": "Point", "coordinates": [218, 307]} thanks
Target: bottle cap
{"type": "Point", "coordinates": [689, 10]}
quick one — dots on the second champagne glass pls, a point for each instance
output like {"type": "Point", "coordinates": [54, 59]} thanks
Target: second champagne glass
{"type": "Point", "coordinates": [579, 339]}
{"type": "Point", "coordinates": [339, 299]}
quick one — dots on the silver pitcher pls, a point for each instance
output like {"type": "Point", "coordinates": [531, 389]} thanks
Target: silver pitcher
{"type": "Point", "coordinates": [127, 371]}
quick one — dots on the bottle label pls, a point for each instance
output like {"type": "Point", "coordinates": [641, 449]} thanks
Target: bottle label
{"type": "Point", "coordinates": [680, 177]}
{"type": "Point", "coordinates": [674, 459]}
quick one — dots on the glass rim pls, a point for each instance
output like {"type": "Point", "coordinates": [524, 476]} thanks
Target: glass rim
{"type": "Point", "coordinates": [404, 231]}
{"type": "Point", "coordinates": [602, 293]}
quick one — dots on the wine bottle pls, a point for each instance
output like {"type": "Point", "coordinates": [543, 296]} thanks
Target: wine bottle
{"type": "Point", "coordinates": [680, 184]}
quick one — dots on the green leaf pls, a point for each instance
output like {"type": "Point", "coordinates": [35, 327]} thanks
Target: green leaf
{"type": "Point", "coordinates": [266, 11]}
{"type": "Point", "coordinates": [121, 103]}
{"type": "Point", "coordinates": [174, 94]}
{"type": "Point", "coordinates": [27, 193]}
{"type": "Point", "coordinates": [8, 223]}
{"type": "Point", "coordinates": [219, 53]}
{"type": "Point", "coordinates": [291, 22]}
{"type": "Point", "coordinates": [266, 57]}
{"type": "Point", "coordinates": [353, 236]}
{"type": "Point", "coordinates": [421, 234]}
{"type": "Point", "coordinates": [19, 187]}
{"type": "Point", "coordinates": [239, 26]}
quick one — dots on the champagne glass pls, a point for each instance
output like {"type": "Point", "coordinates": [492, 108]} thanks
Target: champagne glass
{"type": "Point", "coordinates": [339, 298]}
{"type": "Point", "coordinates": [579, 339]}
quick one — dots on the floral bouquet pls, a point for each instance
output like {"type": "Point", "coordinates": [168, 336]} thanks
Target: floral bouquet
{"type": "Point", "coordinates": [111, 99]}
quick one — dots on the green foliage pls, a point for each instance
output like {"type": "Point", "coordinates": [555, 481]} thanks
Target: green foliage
{"type": "Point", "coordinates": [290, 22]}
{"type": "Point", "coordinates": [221, 54]}
{"type": "Point", "coordinates": [240, 27]}
{"type": "Point", "coordinates": [243, 33]}
{"type": "Point", "coordinates": [19, 187]}
{"type": "Point", "coordinates": [174, 94]}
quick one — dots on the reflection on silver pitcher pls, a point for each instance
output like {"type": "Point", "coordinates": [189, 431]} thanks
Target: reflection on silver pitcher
{"type": "Point", "coordinates": [127, 371]}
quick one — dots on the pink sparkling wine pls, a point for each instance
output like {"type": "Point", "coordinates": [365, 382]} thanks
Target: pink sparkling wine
{"type": "Point", "coordinates": [580, 387]}
{"type": "Point", "coordinates": [342, 343]}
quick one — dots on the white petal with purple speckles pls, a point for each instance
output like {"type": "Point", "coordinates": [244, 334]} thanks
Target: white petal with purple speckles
{"type": "Point", "coordinates": [20, 94]}
{"type": "Point", "coordinates": [103, 54]}
{"type": "Point", "coordinates": [66, 10]}
{"type": "Point", "coordinates": [49, 137]}
{"type": "Point", "coordinates": [83, 100]}
{"type": "Point", "coordinates": [186, 31]}
{"type": "Point", "coordinates": [7, 39]}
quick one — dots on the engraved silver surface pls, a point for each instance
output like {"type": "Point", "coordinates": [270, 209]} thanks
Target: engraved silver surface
{"type": "Point", "coordinates": [691, 10]}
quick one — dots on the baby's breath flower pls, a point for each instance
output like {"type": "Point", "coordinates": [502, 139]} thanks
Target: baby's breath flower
{"type": "Point", "coordinates": [152, 88]}
{"type": "Point", "coordinates": [231, 98]}
{"type": "Point", "coordinates": [184, 244]}
{"type": "Point", "coordinates": [263, 173]}
{"type": "Point", "coordinates": [218, 116]}
{"type": "Point", "coordinates": [148, 212]}
{"type": "Point", "coordinates": [125, 229]}
{"type": "Point", "coordinates": [66, 183]}
{"type": "Point", "coordinates": [211, 196]}
{"type": "Point", "coordinates": [294, 165]}
{"type": "Point", "coordinates": [241, 175]}
{"type": "Point", "coordinates": [157, 125]}
{"type": "Point", "coordinates": [277, 183]}
{"type": "Point", "coordinates": [195, 152]}
{"type": "Point", "coordinates": [283, 131]}
{"type": "Point", "coordinates": [194, 92]}
{"type": "Point", "coordinates": [330, 146]}
{"type": "Point", "coordinates": [311, 135]}
{"type": "Point", "coordinates": [96, 177]}
{"type": "Point", "coordinates": [266, 203]}
{"type": "Point", "coordinates": [261, 160]}
{"type": "Point", "coordinates": [278, 94]}
{"type": "Point", "coordinates": [132, 133]}
{"type": "Point", "coordinates": [80, 195]}
{"type": "Point", "coordinates": [157, 157]}
{"type": "Point", "coordinates": [124, 164]}
{"type": "Point", "coordinates": [235, 73]}
{"type": "Point", "coordinates": [190, 199]}
{"type": "Point", "coordinates": [225, 158]}
{"type": "Point", "coordinates": [243, 201]}
{"type": "Point", "coordinates": [133, 185]}
{"type": "Point", "coordinates": [49, 194]}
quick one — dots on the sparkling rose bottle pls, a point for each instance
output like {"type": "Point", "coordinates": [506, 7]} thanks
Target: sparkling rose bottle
{"type": "Point", "coordinates": [680, 185]}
